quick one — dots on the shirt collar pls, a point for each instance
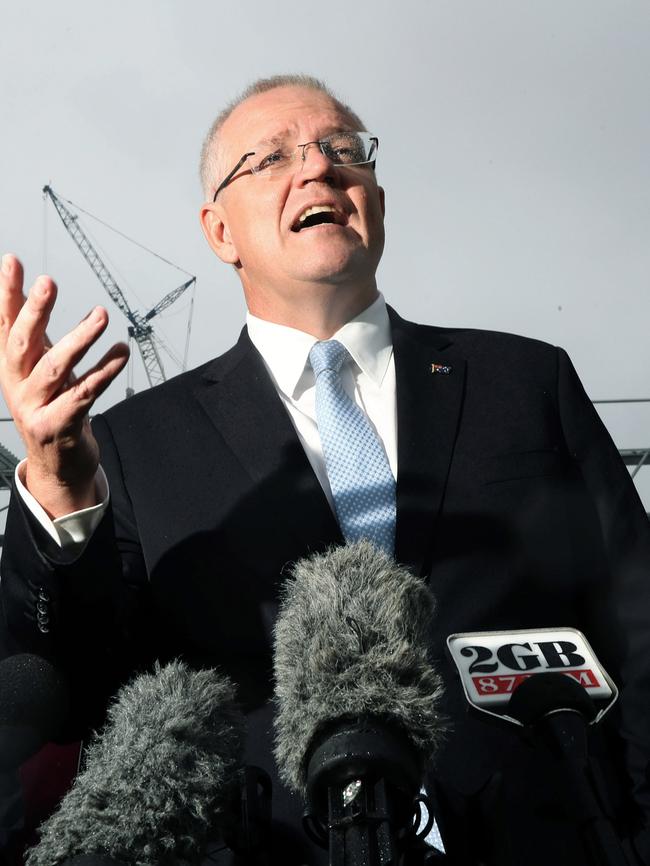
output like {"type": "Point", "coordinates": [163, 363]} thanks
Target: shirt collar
{"type": "Point", "coordinates": [285, 350]}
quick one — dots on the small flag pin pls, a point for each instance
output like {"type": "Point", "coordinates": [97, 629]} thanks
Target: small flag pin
{"type": "Point", "coordinates": [441, 369]}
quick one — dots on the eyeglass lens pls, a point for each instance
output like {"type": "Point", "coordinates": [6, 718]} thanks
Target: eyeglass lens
{"type": "Point", "coordinates": [341, 148]}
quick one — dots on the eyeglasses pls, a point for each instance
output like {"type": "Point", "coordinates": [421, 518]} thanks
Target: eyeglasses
{"type": "Point", "coordinates": [341, 148]}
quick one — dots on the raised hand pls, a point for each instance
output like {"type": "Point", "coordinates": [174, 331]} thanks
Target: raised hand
{"type": "Point", "coordinates": [49, 404]}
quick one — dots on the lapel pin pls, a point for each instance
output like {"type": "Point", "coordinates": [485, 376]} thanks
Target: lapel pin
{"type": "Point", "coordinates": [441, 369]}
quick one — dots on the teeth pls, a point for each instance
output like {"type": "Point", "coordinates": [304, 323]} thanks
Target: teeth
{"type": "Point", "coordinates": [320, 208]}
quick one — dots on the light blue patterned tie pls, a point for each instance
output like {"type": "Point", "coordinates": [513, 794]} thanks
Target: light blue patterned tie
{"type": "Point", "coordinates": [362, 483]}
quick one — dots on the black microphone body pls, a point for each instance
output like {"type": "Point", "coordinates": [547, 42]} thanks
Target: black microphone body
{"type": "Point", "coordinates": [556, 711]}
{"type": "Point", "coordinates": [34, 707]}
{"type": "Point", "coordinates": [548, 684]}
{"type": "Point", "coordinates": [357, 701]}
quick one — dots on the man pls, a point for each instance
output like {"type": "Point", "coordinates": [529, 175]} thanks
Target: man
{"type": "Point", "coordinates": [510, 498]}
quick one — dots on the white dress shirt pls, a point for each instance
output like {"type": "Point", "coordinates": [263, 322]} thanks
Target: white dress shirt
{"type": "Point", "coordinates": [369, 378]}
{"type": "Point", "coordinates": [71, 530]}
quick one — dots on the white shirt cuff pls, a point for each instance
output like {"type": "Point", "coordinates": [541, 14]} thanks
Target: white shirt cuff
{"type": "Point", "coordinates": [71, 529]}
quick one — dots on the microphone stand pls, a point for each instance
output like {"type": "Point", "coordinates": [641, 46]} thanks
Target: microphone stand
{"type": "Point", "coordinates": [566, 736]}
{"type": "Point", "coordinates": [249, 838]}
{"type": "Point", "coordinates": [555, 709]}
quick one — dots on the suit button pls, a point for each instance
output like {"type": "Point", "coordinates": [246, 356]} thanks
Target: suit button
{"type": "Point", "coordinates": [43, 610]}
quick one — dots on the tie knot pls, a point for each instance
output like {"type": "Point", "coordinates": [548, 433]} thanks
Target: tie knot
{"type": "Point", "coordinates": [327, 355]}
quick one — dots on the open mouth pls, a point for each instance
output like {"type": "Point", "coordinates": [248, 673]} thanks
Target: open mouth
{"type": "Point", "coordinates": [316, 216]}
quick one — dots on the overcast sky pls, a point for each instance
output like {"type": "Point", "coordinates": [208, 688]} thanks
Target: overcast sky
{"type": "Point", "coordinates": [514, 142]}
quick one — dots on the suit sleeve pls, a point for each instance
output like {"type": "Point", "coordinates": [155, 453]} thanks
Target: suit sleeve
{"type": "Point", "coordinates": [625, 603]}
{"type": "Point", "coordinates": [85, 611]}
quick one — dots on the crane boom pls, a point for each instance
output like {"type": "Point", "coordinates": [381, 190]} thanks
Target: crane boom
{"type": "Point", "coordinates": [169, 299]}
{"type": "Point", "coordinates": [139, 328]}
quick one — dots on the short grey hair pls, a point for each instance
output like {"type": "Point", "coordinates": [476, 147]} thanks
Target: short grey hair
{"type": "Point", "coordinates": [210, 167]}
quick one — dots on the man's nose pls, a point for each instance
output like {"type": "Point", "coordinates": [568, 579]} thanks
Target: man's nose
{"type": "Point", "coordinates": [314, 165]}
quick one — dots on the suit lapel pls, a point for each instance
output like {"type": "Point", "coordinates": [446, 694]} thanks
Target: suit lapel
{"type": "Point", "coordinates": [429, 404]}
{"type": "Point", "coordinates": [242, 403]}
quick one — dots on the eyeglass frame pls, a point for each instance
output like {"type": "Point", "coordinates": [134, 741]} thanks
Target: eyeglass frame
{"type": "Point", "coordinates": [224, 183]}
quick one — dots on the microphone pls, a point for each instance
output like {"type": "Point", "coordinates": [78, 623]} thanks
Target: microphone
{"type": "Point", "coordinates": [550, 685]}
{"type": "Point", "coordinates": [158, 779]}
{"type": "Point", "coordinates": [34, 707]}
{"type": "Point", "coordinates": [557, 710]}
{"type": "Point", "coordinates": [357, 700]}
{"type": "Point", "coordinates": [92, 860]}
{"type": "Point", "coordinates": [493, 666]}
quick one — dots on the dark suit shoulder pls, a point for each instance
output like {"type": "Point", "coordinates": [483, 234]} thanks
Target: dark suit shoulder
{"type": "Point", "coordinates": [475, 343]}
{"type": "Point", "coordinates": [471, 337]}
{"type": "Point", "coordinates": [475, 338]}
{"type": "Point", "coordinates": [500, 350]}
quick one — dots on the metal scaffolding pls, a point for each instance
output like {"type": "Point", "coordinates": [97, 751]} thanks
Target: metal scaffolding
{"type": "Point", "coordinates": [8, 463]}
{"type": "Point", "coordinates": [636, 457]}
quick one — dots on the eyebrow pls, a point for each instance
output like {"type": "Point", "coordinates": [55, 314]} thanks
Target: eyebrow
{"type": "Point", "coordinates": [275, 139]}
{"type": "Point", "coordinates": [281, 137]}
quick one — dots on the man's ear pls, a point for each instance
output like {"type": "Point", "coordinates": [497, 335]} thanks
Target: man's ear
{"type": "Point", "coordinates": [382, 199]}
{"type": "Point", "coordinates": [215, 228]}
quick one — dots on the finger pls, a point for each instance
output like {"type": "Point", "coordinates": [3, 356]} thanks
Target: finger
{"type": "Point", "coordinates": [76, 400]}
{"type": "Point", "coordinates": [58, 426]}
{"type": "Point", "coordinates": [25, 341]}
{"type": "Point", "coordinates": [11, 294]}
{"type": "Point", "coordinates": [54, 370]}
{"type": "Point", "coordinates": [62, 420]}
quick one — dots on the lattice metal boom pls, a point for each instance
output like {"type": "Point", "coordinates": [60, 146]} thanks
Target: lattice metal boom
{"type": "Point", "coordinates": [139, 329]}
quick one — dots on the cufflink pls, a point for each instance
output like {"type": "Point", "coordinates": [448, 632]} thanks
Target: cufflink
{"type": "Point", "coordinates": [441, 369]}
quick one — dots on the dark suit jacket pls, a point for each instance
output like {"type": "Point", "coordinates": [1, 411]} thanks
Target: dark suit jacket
{"type": "Point", "coordinates": [511, 501]}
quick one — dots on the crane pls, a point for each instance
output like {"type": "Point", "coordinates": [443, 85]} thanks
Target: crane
{"type": "Point", "coordinates": [140, 328]}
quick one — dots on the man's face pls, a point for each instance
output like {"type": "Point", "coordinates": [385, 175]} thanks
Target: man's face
{"type": "Point", "coordinates": [253, 222]}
